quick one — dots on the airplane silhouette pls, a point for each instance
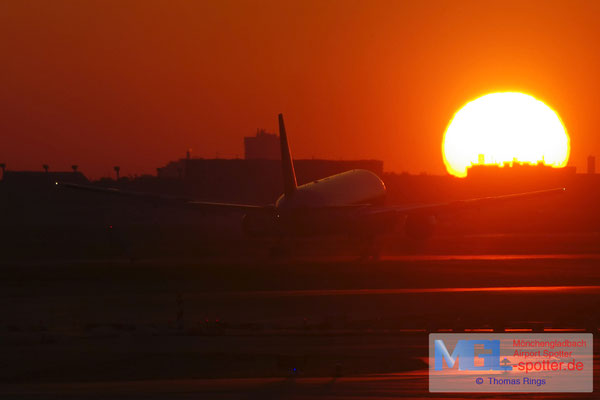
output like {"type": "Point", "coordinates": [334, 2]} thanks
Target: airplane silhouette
{"type": "Point", "coordinates": [347, 203]}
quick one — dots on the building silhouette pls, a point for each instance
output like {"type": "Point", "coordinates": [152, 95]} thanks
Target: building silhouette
{"type": "Point", "coordinates": [256, 178]}
{"type": "Point", "coordinates": [252, 180]}
{"type": "Point", "coordinates": [517, 170]}
{"type": "Point", "coordinates": [263, 146]}
{"type": "Point", "coordinates": [591, 165]}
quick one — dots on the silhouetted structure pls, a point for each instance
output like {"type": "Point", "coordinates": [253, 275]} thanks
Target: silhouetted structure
{"type": "Point", "coordinates": [74, 167]}
{"type": "Point", "coordinates": [591, 165]}
{"type": "Point", "coordinates": [517, 170]}
{"type": "Point", "coordinates": [30, 198]}
{"type": "Point", "coordinates": [117, 170]}
{"type": "Point", "coordinates": [263, 146]}
{"type": "Point", "coordinates": [3, 167]}
{"type": "Point", "coordinates": [46, 167]}
{"type": "Point", "coordinates": [35, 179]}
{"type": "Point", "coordinates": [257, 180]}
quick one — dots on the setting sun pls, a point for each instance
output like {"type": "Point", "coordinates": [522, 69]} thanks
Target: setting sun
{"type": "Point", "coordinates": [504, 127]}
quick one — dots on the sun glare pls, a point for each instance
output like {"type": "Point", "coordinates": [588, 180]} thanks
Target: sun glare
{"type": "Point", "coordinates": [504, 127]}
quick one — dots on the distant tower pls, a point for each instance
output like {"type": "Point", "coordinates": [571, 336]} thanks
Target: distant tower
{"type": "Point", "coordinates": [481, 159]}
{"type": "Point", "coordinates": [3, 167]}
{"type": "Point", "coordinates": [117, 170]}
{"type": "Point", "coordinates": [74, 168]}
{"type": "Point", "coordinates": [188, 154]}
{"type": "Point", "coordinates": [46, 167]}
{"type": "Point", "coordinates": [591, 165]}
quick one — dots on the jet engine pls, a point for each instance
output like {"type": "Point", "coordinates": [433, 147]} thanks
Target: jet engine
{"type": "Point", "coordinates": [419, 226]}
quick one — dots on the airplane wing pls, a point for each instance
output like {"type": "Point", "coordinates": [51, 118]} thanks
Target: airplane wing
{"type": "Point", "coordinates": [452, 206]}
{"type": "Point", "coordinates": [362, 209]}
{"type": "Point", "coordinates": [207, 205]}
{"type": "Point", "coordinates": [167, 199]}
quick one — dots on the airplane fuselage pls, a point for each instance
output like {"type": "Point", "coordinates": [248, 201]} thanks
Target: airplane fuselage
{"type": "Point", "coordinates": [357, 186]}
{"type": "Point", "coordinates": [322, 207]}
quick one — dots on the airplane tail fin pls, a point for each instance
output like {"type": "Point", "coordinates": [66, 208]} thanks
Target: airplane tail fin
{"type": "Point", "coordinates": [287, 164]}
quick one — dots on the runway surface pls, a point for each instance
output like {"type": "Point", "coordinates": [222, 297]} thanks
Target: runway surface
{"type": "Point", "coordinates": [308, 259]}
{"type": "Point", "coordinates": [223, 329]}
{"type": "Point", "coordinates": [406, 385]}
{"type": "Point", "coordinates": [367, 292]}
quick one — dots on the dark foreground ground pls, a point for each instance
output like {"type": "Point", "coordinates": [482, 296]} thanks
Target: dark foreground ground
{"type": "Point", "coordinates": [315, 326]}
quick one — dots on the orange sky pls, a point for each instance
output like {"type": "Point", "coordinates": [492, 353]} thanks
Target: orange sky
{"type": "Point", "coordinates": [137, 83]}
